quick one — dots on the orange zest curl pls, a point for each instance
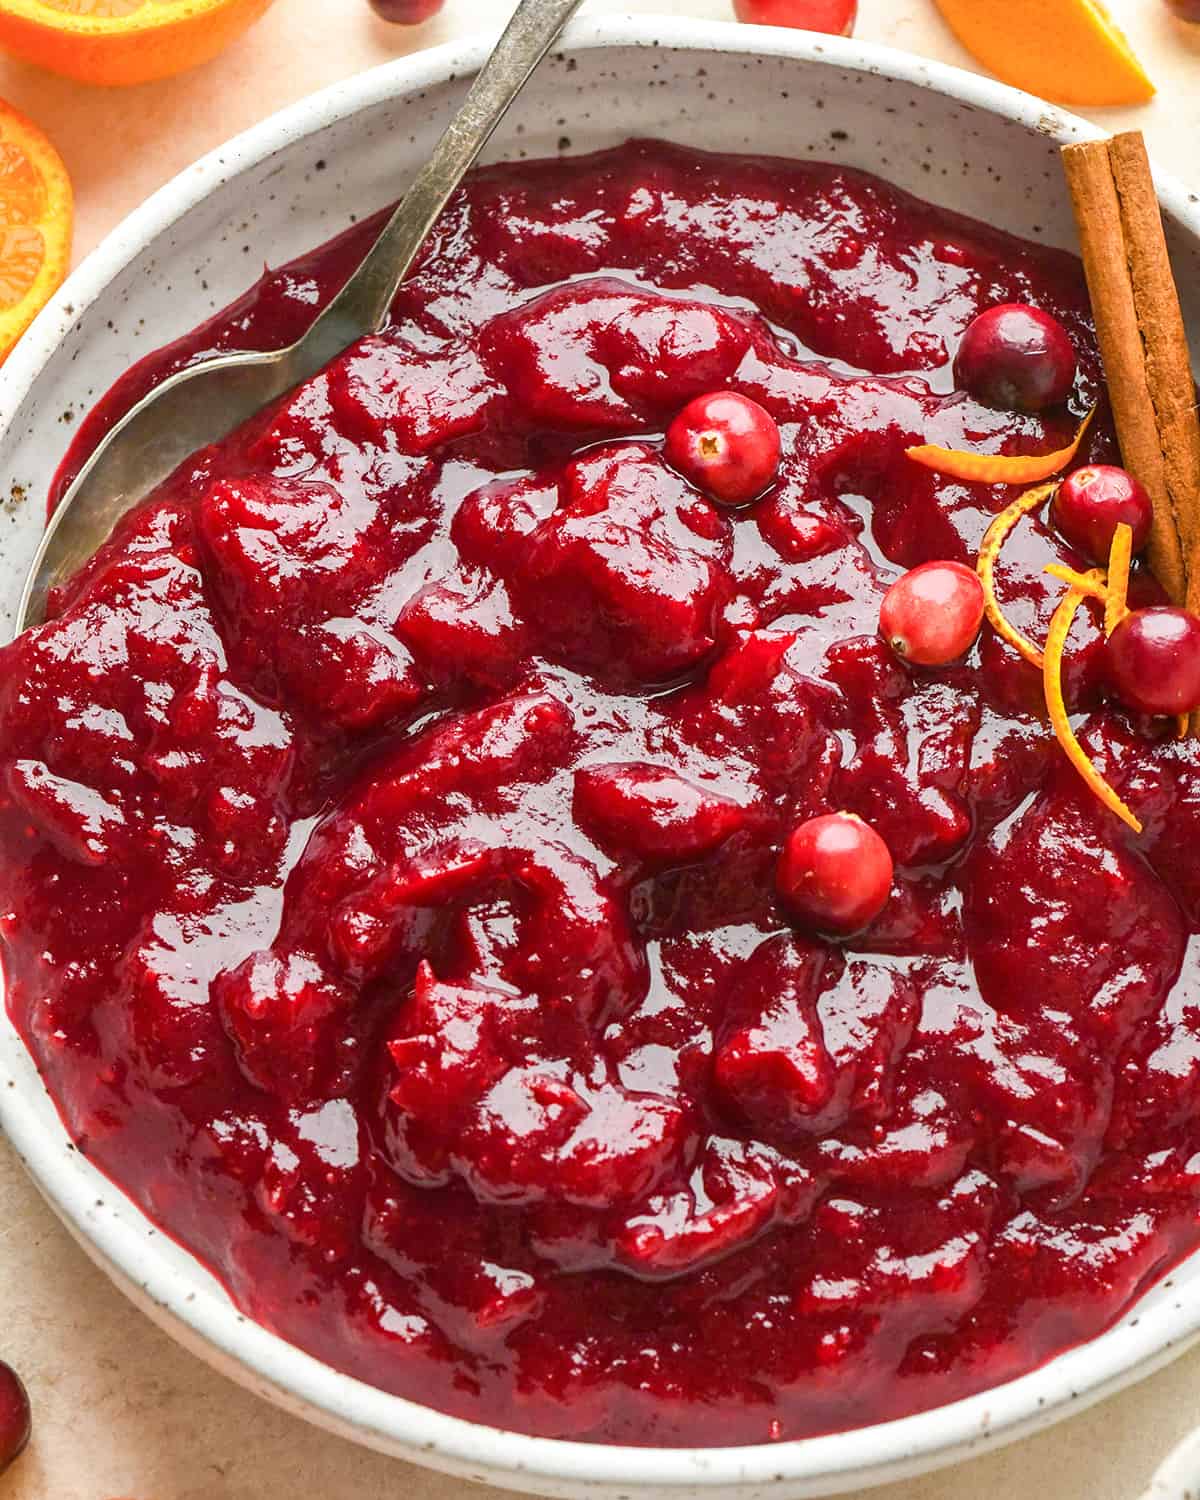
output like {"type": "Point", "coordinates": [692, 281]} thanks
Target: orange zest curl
{"type": "Point", "coordinates": [1091, 584]}
{"type": "Point", "coordinates": [1109, 587]}
{"type": "Point", "coordinates": [998, 468]}
{"type": "Point", "coordinates": [1060, 629]}
{"type": "Point", "coordinates": [997, 535]}
{"type": "Point", "coordinates": [1120, 557]}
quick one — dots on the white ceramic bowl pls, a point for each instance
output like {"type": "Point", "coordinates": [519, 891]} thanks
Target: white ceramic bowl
{"type": "Point", "coordinates": [288, 184]}
{"type": "Point", "coordinates": [1178, 1477]}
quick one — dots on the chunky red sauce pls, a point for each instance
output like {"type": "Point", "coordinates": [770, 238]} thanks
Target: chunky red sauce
{"type": "Point", "coordinates": [389, 819]}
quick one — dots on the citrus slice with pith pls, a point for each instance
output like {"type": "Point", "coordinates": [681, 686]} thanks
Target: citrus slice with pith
{"type": "Point", "coordinates": [123, 41]}
{"type": "Point", "coordinates": [36, 214]}
{"type": "Point", "coordinates": [1070, 51]}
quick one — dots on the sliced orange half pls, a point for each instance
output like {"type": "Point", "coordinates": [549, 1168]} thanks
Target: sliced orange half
{"type": "Point", "coordinates": [36, 214]}
{"type": "Point", "coordinates": [1070, 51]}
{"type": "Point", "coordinates": [123, 41]}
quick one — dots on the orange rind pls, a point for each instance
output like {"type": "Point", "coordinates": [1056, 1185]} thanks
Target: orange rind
{"type": "Point", "coordinates": [1070, 51]}
{"type": "Point", "coordinates": [116, 42]}
{"type": "Point", "coordinates": [1094, 587]}
{"type": "Point", "coordinates": [993, 541]}
{"type": "Point", "coordinates": [1109, 588]}
{"type": "Point", "coordinates": [998, 468]}
{"type": "Point", "coordinates": [1120, 559]}
{"type": "Point", "coordinates": [1060, 719]}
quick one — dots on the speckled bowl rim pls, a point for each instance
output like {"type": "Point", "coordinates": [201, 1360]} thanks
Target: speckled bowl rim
{"type": "Point", "coordinates": [208, 1322]}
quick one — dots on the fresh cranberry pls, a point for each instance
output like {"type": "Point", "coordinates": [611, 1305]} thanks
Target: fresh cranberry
{"type": "Point", "coordinates": [1185, 10]}
{"type": "Point", "coordinates": [835, 873]}
{"type": "Point", "coordinates": [14, 1416]}
{"type": "Point", "coordinates": [1154, 661]}
{"type": "Point", "coordinates": [1092, 502]}
{"type": "Point", "coordinates": [406, 12]}
{"type": "Point", "coordinates": [932, 615]}
{"type": "Point", "coordinates": [727, 445]}
{"type": "Point", "coordinates": [834, 16]}
{"type": "Point", "coordinates": [1017, 358]}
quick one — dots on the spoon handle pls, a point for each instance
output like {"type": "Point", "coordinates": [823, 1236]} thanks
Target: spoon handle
{"type": "Point", "coordinates": [363, 303]}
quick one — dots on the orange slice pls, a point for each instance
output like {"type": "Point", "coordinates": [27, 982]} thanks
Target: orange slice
{"type": "Point", "coordinates": [1056, 641]}
{"type": "Point", "coordinates": [36, 213]}
{"type": "Point", "coordinates": [997, 468]}
{"type": "Point", "coordinates": [1066, 50]}
{"type": "Point", "coordinates": [123, 41]}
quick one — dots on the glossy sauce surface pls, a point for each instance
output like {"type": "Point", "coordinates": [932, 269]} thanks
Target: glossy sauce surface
{"type": "Point", "coordinates": [389, 818]}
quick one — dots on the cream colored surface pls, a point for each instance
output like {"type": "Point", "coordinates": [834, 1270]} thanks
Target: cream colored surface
{"type": "Point", "coordinates": [119, 1410]}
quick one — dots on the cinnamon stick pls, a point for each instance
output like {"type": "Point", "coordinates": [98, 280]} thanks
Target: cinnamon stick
{"type": "Point", "coordinates": [1168, 359]}
{"type": "Point", "coordinates": [1140, 331]}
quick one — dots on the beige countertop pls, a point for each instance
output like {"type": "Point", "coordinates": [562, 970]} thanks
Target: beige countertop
{"type": "Point", "coordinates": [119, 1410]}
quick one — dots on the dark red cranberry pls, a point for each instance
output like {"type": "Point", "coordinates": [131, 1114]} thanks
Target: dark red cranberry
{"type": "Point", "coordinates": [1185, 10]}
{"type": "Point", "coordinates": [406, 12]}
{"type": "Point", "coordinates": [1016, 358]}
{"type": "Point", "coordinates": [932, 615]}
{"type": "Point", "coordinates": [835, 873]}
{"type": "Point", "coordinates": [727, 445]}
{"type": "Point", "coordinates": [14, 1416]}
{"type": "Point", "coordinates": [1092, 502]}
{"type": "Point", "coordinates": [834, 16]}
{"type": "Point", "coordinates": [1154, 661]}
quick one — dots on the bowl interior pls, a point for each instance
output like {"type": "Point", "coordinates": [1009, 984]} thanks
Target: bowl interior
{"type": "Point", "coordinates": [294, 182]}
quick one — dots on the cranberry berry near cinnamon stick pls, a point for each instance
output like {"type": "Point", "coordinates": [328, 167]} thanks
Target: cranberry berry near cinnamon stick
{"type": "Point", "coordinates": [1142, 338]}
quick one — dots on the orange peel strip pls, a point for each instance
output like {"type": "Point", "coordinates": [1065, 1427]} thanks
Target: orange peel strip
{"type": "Point", "coordinates": [1120, 557]}
{"type": "Point", "coordinates": [997, 535]}
{"type": "Point", "coordinates": [1089, 583]}
{"type": "Point", "coordinates": [998, 468]}
{"type": "Point", "coordinates": [1056, 641]}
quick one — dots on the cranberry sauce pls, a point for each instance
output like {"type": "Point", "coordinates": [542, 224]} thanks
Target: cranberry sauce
{"type": "Point", "coordinates": [390, 820]}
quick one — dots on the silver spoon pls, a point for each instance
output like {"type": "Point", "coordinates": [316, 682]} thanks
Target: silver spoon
{"type": "Point", "coordinates": [203, 404]}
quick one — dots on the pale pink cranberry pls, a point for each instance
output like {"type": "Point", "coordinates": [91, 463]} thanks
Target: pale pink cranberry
{"type": "Point", "coordinates": [1017, 358]}
{"type": "Point", "coordinates": [14, 1416]}
{"type": "Point", "coordinates": [834, 16]}
{"type": "Point", "coordinates": [1092, 502]}
{"type": "Point", "coordinates": [835, 873]}
{"type": "Point", "coordinates": [727, 445]}
{"type": "Point", "coordinates": [932, 615]}
{"type": "Point", "coordinates": [1154, 661]}
{"type": "Point", "coordinates": [406, 12]}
